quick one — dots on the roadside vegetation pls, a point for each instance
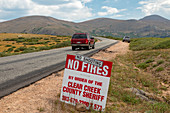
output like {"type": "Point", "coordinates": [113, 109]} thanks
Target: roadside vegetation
{"type": "Point", "coordinates": [137, 70]}
{"type": "Point", "coordinates": [13, 43]}
{"type": "Point", "coordinates": [140, 79]}
{"type": "Point", "coordinates": [149, 43]}
{"type": "Point", "coordinates": [146, 68]}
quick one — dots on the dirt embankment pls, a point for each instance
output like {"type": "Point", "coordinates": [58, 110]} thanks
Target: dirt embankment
{"type": "Point", "coordinates": [41, 96]}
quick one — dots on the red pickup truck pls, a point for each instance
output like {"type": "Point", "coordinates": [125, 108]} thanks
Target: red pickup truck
{"type": "Point", "coordinates": [82, 40]}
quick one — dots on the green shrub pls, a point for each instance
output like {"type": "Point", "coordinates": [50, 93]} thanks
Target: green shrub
{"type": "Point", "coordinates": [2, 54]}
{"type": "Point", "coordinates": [31, 43]}
{"type": "Point", "coordinates": [44, 48]}
{"type": "Point", "coordinates": [17, 50]}
{"type": "Point", "coordinates": [41, 43]}
{"type": "Point", "coordinates": [20, 49]}
{"type": "Point", "coordinates": [163, 45]}
{"type": "Point", "coordinates": [160, 107]}
{"type": "Point", "coordinates": [160, 62]}
{"type": "Point", "coordinates": [146, 83]}
{"type": "Point", "coordinates": [10, 39]}
{"type": "Point", "coordinates": [130, 99]}
{"type": "Point", "coordinates": [57, 41]}
{"type": "Point", "coordinates": [33, 47]}
{"type": "Point", "coordinates": [143, 65]}
{"type": "Point", "coordinates": [159, 69]}
{"type": "Point", "coordinates": [155, 65]}
{"type": "Point", "coordinates": [149, 61]}
{"type": "Point", "coordinates": [52, 38]}
{"type": "Point", "coordinates": [28, 50]}
{"type": "Point", "coordinates": [10, 50]}
{"type": "Point", "coordinates": [46, 38]}
{"type": "Point", "coordinates": [31, 40]}
{"type": "Point", "coordinates": [8, 45]}
{"type": "Point", "coordinates": [47, 42]}
{"type": "Point", "coordinates": [20, 40]}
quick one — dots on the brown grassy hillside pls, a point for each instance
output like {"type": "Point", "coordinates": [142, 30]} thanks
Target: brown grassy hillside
{"type": "Point", "coordinates": [15, 43]}
{"type": "Point", "coordinates": [151, 26]}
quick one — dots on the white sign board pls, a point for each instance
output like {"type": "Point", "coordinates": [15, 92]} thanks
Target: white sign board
{"type": "Point", "coordinates": [86, 83]}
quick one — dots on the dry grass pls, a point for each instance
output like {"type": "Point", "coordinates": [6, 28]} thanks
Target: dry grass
{"type": "Point", "coordinates": [17, 35]}
{"type": "Point", "coordinates": [126, 75]}
{"type": "Point", "coordinates": [27, 41]}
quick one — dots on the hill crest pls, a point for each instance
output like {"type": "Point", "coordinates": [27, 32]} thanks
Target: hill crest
{"type": "Point", "coordinates": [154, 25]}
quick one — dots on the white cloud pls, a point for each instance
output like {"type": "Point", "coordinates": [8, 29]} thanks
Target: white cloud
{"type": "Point", "coordinates": [107, 1]}
{"type": "Point", "coordinates": [15, 4]}
{"type": "Point", "coordinates": [71, 10]}
{"type": "Point", "coordinates": [115, 16]}
{"type": "Point", "coordinates": [1, 20]}
{"type": "Point", "coordinates": [161, 7]}
{"type": "Point", "coordinates": [86, 1]}
{"type": "Point", "coordinates": [109, 11]}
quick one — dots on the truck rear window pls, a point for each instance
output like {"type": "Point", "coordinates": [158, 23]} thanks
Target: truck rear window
{"type": "Point", "coordinates": [82, 36]}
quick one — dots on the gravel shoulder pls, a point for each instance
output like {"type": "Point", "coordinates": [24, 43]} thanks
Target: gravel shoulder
{"type": "Point", "coordinates": [42, 95]}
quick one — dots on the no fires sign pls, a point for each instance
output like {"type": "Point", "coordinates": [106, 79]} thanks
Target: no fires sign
{"type": "Point", "coordinates": [86, 81]}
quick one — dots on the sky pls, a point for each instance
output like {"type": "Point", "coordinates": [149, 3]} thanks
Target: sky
{"type": "Point", "coordinates": [82, 10]}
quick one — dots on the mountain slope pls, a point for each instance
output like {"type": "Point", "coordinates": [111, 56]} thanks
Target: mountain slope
{"type": "Point", "coordinates": [154, 18]}
{"type": "Point", "coordinates": [153, 25]}
{"type": "Point", "coordinates": [37, 25]}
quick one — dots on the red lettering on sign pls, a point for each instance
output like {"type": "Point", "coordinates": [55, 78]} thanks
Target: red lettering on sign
{"type": "Point", "coordinates": [90, 81]}
{"type": "Point", "coordinates": [65, 98]}
{"type": "Point", "coordinates": [75, 85]}
{"type": "Point", "coordinates": [97, 107]}
{"type": "Point", "coordinates": [98, 83]}
{"type": "Point", "coordinates": [70, 77]}
{"type": "Point", "coordinates": [73, 100]}
{"type": "Point", "coordinates": [93, 96]}
{"type": "Point", "coordinates": [92, 89]}
{"type": "Point", "coordinates": [84, 102]}
{"type": "Point", "coordinates": [71, 91]}
{"type": "Point", "coordinates": [81, 79]}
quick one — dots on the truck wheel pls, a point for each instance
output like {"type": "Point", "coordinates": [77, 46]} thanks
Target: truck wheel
{"type": "Point", "coordinates": [93, 46]}
{"type": "Point", "coordinates": [73, 48]}
{"type": "Point", "coordinates": [88, 47]}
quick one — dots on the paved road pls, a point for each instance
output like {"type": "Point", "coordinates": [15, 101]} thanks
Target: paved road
{"type": "Point", "coordinates": [20, 70]}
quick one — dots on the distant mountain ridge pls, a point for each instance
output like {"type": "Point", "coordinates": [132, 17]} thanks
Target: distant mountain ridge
{"type": "Point", "coordinates": [154, 18]}
{"type": "Point", "coordinates": [149, 26]}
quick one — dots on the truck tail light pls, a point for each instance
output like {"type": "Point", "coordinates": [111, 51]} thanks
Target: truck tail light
{"type": "Point", "coordinates": [86, 41]}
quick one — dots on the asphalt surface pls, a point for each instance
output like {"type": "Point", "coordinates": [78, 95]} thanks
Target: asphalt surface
{"type": "Point", "coordinates": [21, 70]}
